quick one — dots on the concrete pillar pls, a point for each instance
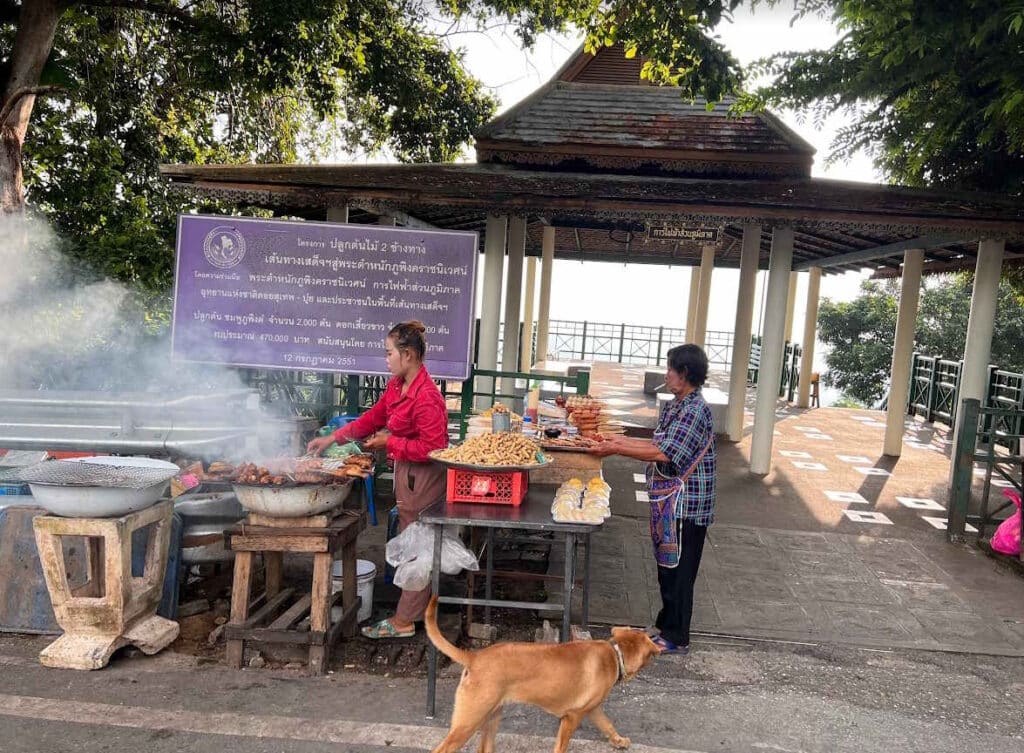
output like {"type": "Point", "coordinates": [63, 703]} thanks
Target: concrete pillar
{"type": "Point", "coordinates": [903, 352]}
{"type": "Point", "coordinates": [790, 307]}
{"type": "Point", "coordinates": [749, 255]}
{"type": "Point", "coordinates": [337, 214]}
{"type": "Point", "coordinates": [513, 292]}
{"type": "Point", "coordinates": [978, 347]}
{"type": "Point", "coordinates": [707, 266]}
{"type": "Point", "coordinates": [772, 348]}
{"type": "Point", "coordinates": [490, 308]}
{"type": "Point", "coordinates": [526, 347]}
{"type": "Point", "coordinates": [803, 399]}
{"type": "Point", "coordinates": [547, 264]}
{"type": "Point", "coordinates": [691, 304]}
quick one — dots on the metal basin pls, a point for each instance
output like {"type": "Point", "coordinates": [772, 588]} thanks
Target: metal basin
{"type": "Point", "coordinates": [292, 501]}
{"type": "Point", "coordinates": [205, 517]}
{"type": "Point", "coordinates": [102, 501]}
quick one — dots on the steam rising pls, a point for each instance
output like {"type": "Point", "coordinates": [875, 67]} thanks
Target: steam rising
{"type": "Point", "coordinates": [61, 329]}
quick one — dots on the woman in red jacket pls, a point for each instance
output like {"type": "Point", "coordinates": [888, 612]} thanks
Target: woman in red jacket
{"type": "Point", "coordinates": [409, 421]}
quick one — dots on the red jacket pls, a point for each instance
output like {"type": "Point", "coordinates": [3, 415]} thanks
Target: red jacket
{"type": "Point", "coordinates": [418, 420]}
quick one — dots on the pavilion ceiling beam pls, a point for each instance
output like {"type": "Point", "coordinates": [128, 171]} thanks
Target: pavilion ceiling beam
{"type": "Point", "coordinates": [403, 219]}
{"type": "Point", "coordinates": [881, 252]}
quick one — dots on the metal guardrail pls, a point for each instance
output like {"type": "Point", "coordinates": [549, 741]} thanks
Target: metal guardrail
{"type": "Point", "coordinates": [973, 447]}
{"type": "Point", "coordinates": [935, 396]}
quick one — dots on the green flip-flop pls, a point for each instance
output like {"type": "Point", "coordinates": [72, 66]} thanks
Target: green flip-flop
{"type": "Point", "coordinates": [384, 629]}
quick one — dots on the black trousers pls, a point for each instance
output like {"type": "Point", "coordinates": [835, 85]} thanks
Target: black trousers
{"type": "Point", "coordinates": [677, 585]}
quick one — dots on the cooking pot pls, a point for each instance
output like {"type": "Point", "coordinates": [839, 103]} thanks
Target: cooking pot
{"type": "Point", "coordinates": [292, 501]}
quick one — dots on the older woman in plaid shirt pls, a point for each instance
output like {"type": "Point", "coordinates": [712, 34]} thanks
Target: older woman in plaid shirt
{"type": "Point", "coordinates": [681, 486]}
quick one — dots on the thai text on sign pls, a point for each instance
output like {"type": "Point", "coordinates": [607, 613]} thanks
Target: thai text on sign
{"type": "Point", "coordinates": [319, 296]}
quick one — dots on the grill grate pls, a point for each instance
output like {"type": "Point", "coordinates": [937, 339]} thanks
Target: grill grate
{"type": "Point", "coordinates": [63, 473]}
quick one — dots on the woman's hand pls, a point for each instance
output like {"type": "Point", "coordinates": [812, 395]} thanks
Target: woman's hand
{"type": "Point", "coordinates": [378, 441]}
{"type": "Point", "coordinates": [319, 444]}
{"type": "Point", "coordinates": [605, 448]}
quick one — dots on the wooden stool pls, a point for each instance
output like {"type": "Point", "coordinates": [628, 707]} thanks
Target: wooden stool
{"type": "Point", "coordinates": [112, 608]}
{"type": "Point", "coordinates": [279, 610]}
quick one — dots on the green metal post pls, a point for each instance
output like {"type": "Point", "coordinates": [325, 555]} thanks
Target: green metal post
{"type": "Point", "coordinates": [583, 345]}
{"type": "Point", "coordinates": [933, 379]}
{"type": "Point", "coordinates": [622, 340]}
{"type": "Point", "coordinates": [466, 403]}
{"type": "Point", "coordinates": [583, 383]}
{"type": "Point", "coordinates": [661, 338]}
{"type": "Point", "coordinates": [963, 469]}
{"type": "Point", "coordinates": [352, 395]}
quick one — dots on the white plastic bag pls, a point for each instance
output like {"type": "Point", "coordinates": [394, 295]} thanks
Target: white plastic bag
{"type": "Point", "coordinates": [416, 545]}
{"type": "Point", "coordinates": [413, 575]}
{"type": "Point", "coordinates": [416, 541]}
{"type": "Point", "coordinates": [455, 556]}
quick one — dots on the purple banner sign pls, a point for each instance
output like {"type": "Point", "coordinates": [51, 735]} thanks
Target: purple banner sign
{"type": "Point", "coordinates": [317, 296]}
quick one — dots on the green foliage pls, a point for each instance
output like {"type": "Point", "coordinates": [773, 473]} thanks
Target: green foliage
{"type": "Point", "coordinates": [934, 91]}
{"type": "Point", "coordinates": [845, 401]}
{"type": "Point", "coordinates": [860, 333]}
{"type": "Point", "coordinates": [260, 81]}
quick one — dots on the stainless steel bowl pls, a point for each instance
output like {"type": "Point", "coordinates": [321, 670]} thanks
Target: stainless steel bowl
{"type": "Point", "coordinates": [292, 501]}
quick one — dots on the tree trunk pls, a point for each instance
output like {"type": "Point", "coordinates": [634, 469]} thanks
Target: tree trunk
{"type": "Point", "coordinates": [37, 25]}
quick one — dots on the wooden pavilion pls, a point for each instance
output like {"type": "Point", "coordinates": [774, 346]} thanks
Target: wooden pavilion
{"type": "Point", "coordinates": [596, 165]}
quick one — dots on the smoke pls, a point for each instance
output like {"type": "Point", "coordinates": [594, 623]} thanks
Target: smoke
{"type": "Point", "coordinates": [62, 328]}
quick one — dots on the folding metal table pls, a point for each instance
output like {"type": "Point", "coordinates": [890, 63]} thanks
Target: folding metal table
{"type": "Point", "coordinates": [534, 514]}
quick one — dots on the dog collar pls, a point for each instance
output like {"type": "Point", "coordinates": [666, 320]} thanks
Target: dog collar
{"type": "Point", "coordinates": [619, 659]}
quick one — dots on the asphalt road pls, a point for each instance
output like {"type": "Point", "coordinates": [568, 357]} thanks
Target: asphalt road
{"type": "Point", "coordinates": [727, 696]}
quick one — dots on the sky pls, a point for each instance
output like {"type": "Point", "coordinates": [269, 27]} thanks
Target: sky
{"type": "Point", "coordinates": [612, 291]}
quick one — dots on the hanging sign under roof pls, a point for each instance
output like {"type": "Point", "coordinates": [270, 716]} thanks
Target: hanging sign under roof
{"type": "Point", "coordinates": [674, 233]}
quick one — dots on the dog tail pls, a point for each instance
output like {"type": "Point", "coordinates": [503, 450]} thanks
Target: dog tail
{"type": "Point", "coordinates": [442, 644]}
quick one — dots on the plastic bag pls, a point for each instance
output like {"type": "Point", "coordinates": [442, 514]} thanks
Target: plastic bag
{"type": "Point", "coordinates": [1006, 539]}
{"type": "Point", "coordinates": [455, 556]}
{"type": "Point", "coordinates": [342, 450]}
{"type": "Point", "coordinates": [416, 544]}
{"type": "Point", "coordinates": [413, 575]}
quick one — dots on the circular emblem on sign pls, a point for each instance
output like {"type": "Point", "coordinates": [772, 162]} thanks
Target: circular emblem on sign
{"type": "Point", "coordinates": [224, 247]}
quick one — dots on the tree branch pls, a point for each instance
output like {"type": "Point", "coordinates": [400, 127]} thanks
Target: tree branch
{"type": "Point", "coordinates": [156, 8]}
{"type": "Point", "coordinates": [25, 91]}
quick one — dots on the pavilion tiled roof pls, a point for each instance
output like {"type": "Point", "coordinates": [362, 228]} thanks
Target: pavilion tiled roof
{"type": "Point", "coordinates": [645, 129]}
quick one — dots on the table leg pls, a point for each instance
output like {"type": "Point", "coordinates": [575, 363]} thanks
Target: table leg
{"type": "Point", "coordinates": [273, 563]}
{"type": "Point", "coordinates": [320, 612]}
{"type": "Point", "coordinates": [586, 584]}
{"type": "Point", "coordinates": [490, 575]}
{"type": "Point", "coordinates": [435, 575]}
{"type": "Point", "coordinates": [567, 583]}
{"type": "Point", "coordinates": [240, 589]}
{"type": "Point", "coordinates": [471, 577]}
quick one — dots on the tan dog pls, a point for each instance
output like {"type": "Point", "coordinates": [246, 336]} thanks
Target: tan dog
{"type": "Point", "coordinates": [569, 680]}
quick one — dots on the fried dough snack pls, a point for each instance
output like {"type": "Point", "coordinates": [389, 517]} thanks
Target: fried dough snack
{"type": "Point", "coordinates": [506, 448]}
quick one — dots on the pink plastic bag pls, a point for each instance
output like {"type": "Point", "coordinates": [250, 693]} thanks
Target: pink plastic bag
{"type": "Point", "coordinates": [1006, 539]}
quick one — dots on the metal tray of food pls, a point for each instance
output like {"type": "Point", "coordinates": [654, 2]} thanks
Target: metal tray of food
{"type": "Point", "coordinates": [563, 448]}
{"type": "Point", "coordinates": [490, 468]}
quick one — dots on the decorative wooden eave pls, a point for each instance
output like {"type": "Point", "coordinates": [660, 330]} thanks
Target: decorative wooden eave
{"type": "Point", "coordinates": [596, 215]}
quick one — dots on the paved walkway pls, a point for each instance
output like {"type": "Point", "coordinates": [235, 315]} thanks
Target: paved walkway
{"type": "Point", "coordinates": [836, 545]}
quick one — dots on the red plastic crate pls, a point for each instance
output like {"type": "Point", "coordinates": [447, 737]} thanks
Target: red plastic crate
{"type": "Point", "coordinates": [492, 488]}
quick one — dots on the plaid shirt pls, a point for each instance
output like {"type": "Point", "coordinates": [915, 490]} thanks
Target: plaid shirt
{"type": "Point", "coordinates": [683, 431]}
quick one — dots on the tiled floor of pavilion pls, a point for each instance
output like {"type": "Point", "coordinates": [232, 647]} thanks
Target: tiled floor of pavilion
{"type": "Point", "coordinates": [838, 544]}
